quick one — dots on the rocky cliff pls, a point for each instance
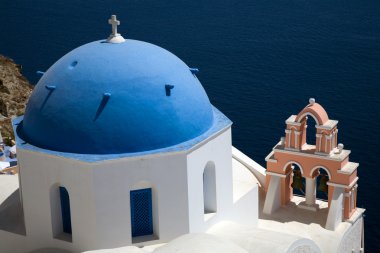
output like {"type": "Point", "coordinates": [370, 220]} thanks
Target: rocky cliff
{"type": "Point", "coordinates": [14, 93]}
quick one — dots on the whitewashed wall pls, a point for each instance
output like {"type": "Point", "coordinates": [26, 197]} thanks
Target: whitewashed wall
{"type": "Point", "coordinates": [38, 173]}
{"type": "Point", "coordinates": [100, 195]}
{"type": "Point", "coordinates": [218, 151]}
{"type": "Point", "coordinates": [101, 215]}
{"type": "Point", "coordinates": [165, 174]}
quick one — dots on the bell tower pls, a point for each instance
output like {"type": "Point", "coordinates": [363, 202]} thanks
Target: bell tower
{"type": "Point", "coordinates": [326, 130]}
{"type": "Point", "coordinates": [294, 166]}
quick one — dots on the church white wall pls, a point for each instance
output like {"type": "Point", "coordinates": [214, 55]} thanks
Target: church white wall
{"type": "Point", "coordinates": [165, 174]}
{"type": "Point", "coordinates": [217, 151]}
{"type": "Point", "coordinates": [100, 195]}
{"type": "Point", "coordinates": [100, 218]}
{"type": "Point", "coordinates": [38, 173]}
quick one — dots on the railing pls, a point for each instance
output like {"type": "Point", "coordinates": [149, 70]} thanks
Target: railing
{"type": "Point", "coordinates": [257, 170]}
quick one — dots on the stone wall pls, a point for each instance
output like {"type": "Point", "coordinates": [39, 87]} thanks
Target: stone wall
{"type": "Point", "coordinates": [14, 93]}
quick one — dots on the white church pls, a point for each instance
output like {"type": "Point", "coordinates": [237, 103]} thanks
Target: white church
{"type": "Point", "coordinates": [120, 150]}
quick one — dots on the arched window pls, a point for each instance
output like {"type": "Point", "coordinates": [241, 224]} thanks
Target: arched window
{"type": "Point", "coordinates": [209, 188]}
{"type": "Point", "coordinates": [65, 210]}
{"type": "Point", "coordinates": [321, 183]}
{"type": "Point", "coordinates": [311, 130]}
{"type": "Point", "coordinates": [298, 180]}
{"type": "Point", "coordinates": [60, 212]}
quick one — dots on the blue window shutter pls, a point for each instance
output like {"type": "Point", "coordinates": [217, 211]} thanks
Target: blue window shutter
{"type": "Point", "coordinates": [141, 212]}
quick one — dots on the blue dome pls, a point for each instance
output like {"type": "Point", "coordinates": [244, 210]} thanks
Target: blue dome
{"type": "Point", "coordinates": [105, 98]}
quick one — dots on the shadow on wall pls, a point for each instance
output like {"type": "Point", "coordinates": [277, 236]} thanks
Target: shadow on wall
{"type": "Point", "coordinates": [12, 215]}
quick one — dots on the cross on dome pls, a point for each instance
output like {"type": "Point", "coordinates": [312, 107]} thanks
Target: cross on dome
{"type": "Point", "coordinates": [114, 36]}
{"type": "Point", "coordinates": [114, 22]}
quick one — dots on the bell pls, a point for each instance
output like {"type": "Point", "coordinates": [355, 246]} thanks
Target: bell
{"type": "Point", "coordinates": [323, 184]}
{"type": "Point", "coordinates": [297, 180]}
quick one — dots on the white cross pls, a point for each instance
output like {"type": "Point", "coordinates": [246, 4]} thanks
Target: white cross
{"type": "Point", "coordinates": [114, 37]}
{"type": "Point", "coordinates": [114, 22]}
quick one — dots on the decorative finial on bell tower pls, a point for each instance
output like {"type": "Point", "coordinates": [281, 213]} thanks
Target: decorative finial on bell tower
{"type": "Point", "coordinates": [114, 36]}
{"type": "Point", "coordinates": [311, 101]}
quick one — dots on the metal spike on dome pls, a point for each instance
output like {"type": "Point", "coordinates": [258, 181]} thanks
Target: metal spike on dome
{"type": "Point", "coordinates": [103, 103]}
{"type": "Point", "coordinates": [194, 70]}
{"type": "Point", "coordinates": [50, 87]}
{"type": "Point", "coordinates": [168, 89]}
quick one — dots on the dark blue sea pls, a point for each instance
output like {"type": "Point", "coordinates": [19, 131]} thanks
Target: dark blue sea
{"type": "Point", "coordinates": [260, 61]}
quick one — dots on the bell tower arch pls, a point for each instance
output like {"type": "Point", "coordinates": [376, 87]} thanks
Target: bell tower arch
{"type": "Point", "coordinates": [324, 160]}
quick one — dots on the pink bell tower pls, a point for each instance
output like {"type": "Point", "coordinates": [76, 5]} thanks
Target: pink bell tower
{"type": "Point", "coordinates": [325, 156]}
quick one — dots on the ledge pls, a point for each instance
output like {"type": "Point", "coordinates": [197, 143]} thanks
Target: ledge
{"type": "Point", "coordinates": [310, 152]}
{"type": "Point", "coordinates": [349, 168]}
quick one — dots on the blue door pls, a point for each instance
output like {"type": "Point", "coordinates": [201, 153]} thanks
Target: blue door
{"type": "Point", "coordinates": [65, 210]}
{"type": "Point", "coordinates": [141, 212]}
